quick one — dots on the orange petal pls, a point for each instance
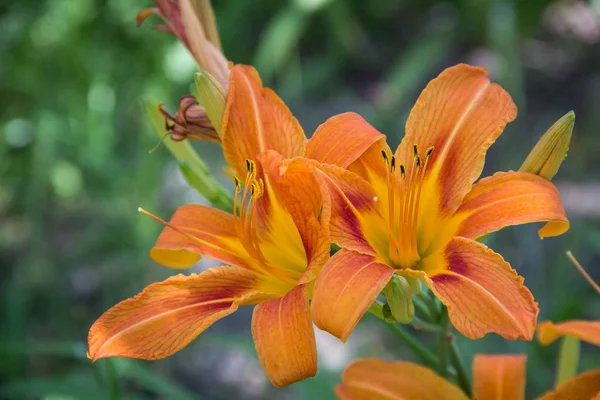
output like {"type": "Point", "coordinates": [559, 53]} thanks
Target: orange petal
{"type": "Point", "coordinates": [341, 140]}
{"type": "Point", "coordinates": [511, 198]}
{"type": "Point", "coordinates": [482, 292]}
{"type": "Point", "coordinates": [370, 378]}
{"type": "Point", "coordinates": [584, 386]}
{"type": "Point", "coordinates": [166, 316]}
{"type": "Point", "coordinates": [255, 120]}
{"type": "Point", "coordinates": [499, 376]}
{"type": "Point", "coordinates": [214, 235]}
{"type": "Point", "coordinates": [345, 289]}
{"type": "Point", "coordinates": [305, 204]}
{"type": "Point", "coordinates": [356, 222]}
{"type": "Point", "coordinates": [589, 331]}
{"type": "Point", "coordinates": [461, 114]}
{"type": "Point", "coordinates": [284, 338]}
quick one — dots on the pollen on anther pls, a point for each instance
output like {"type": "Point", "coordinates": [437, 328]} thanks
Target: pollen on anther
{"type": "Point", "coordinates": [428, 152]}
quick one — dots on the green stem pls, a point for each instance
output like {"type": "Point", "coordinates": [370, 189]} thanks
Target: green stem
{"type": "Point", "coordinates": [461, 371]}
{"type": "Point", "coordinates": [443, 342]}
{"type": "Point", "coordinates": [568, 359]}
{"type": "Point", "coordinates": [421, 325]}
{"type": "Point", "coordinates": [423, 309]}
{"type": "Point", "coordinates": [420, 350]}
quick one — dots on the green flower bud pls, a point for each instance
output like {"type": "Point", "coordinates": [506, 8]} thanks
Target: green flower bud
{"type": "Point", "coordinates": [550, 151]}
{"type": "Point", "coordinates": [212, 97]}
{"type": "Point", "coordinates": [399, 299]}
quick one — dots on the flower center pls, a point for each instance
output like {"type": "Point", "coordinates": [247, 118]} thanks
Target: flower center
{"type": "Point", "coordinates": [246, 199]}
{"type": "Point", "coordinates": [404, 197]}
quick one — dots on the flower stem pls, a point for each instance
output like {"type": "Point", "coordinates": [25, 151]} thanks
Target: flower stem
{"type": "Point", "coordinates": [461, 371]}
{"type": "Point", "coordinates": [420, 350]}
{"type": "Point", "coordinates": [443, 342]}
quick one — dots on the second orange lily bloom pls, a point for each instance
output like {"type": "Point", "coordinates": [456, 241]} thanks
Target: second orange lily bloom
{"type": "Point", "coordinates": [417, 213]}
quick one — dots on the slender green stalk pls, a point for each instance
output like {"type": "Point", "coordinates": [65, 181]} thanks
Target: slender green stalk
{"type": "Point", "coordinates": [443, 342]}
{"type": "Point", "coordinates": [568, 359]}
{"type": "Point", "coordinates": [461, 371]}
{"type": "Point", "coordinates": [423, 309]}
{"type": "Point", "coordinates": [419, 349]}
{"type": "Point", "coordinates": [421, 325]}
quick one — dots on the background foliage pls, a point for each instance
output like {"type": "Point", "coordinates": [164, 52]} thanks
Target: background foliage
{"type": "Point", "coordinates": [74, 166]}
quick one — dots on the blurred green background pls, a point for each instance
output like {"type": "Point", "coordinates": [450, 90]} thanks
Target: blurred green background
{"type": "Point", "coordinates": [74, 167]}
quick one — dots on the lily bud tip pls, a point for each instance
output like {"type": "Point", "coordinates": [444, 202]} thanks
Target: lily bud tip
{"type": "Point", "coordinates": [550, 151]}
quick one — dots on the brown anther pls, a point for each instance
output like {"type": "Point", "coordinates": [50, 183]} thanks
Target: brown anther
{"type": "Point", "coordinates": [190, 122]}
{"type": "Point", "coordinates": [415, 150]}
{"type": "Point", "coordinates": [385, 156]}
{"type": "Point", "coordinates": [402, 171]}
{"type": "Point", "coordinates": [428, 152]}
{"type": "Point", "coordinates": [237, 182]}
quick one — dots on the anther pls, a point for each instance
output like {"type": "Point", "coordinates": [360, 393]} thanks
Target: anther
{"type": "Point", "coordinates": [248, 166]}
{"type": "Point", "coordinates": [393, 164]}
{"type": "Point", "coordinates": [385, 156]}
{"type": "Point", "coordinates": [418, 162]}
{"type": "Point", "coordinates": [428, 153]}
{"type": "Point", "coordinates": [402, 171]}
{"type": "Point", "coordinates": [237, 182]}
{"type": "Point", "coordinates": [415, 150]}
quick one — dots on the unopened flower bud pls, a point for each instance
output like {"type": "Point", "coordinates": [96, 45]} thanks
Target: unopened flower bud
{"type": "Point", "coordinates": [194, 24]}
{"type": "Point", "coordinates": [399, 299]}
{"type": "Point", "coordinates": [190, 122]}
{"type": "Point", "coordinates": [550, 151]}
{"type": "Point", "coordinates": [213, 97]}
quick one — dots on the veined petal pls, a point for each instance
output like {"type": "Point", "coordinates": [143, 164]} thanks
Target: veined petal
{"type": "Point", "coordinates": [460, 113]}
{"type": "Point", "coordinates": [511, 198]}
{"type": "Point", "coordinates": [584, 386]}
{"type": "Point", "coordinates": [285, 339]}
{"type": "Point", "coordinates": [345, 289]}
{"type": "Point", "coordinates": [166, 316]}
{"type": "Point", "coordinates": [305, 209]}
{"type": "Point", "coordinates": [356, 223]}
{"type": "Point", "coordinates": [256, 120]}
{"type": "Point", "coordinates": [213, 234]}
{"type": "Point", "coordinates": [370, 378]}
{"type": "Point", "coordinates": [588, 331]}
{"type": "Point", "coordinates": [500, 376]}
{"type": "Point", "coordinates": [341, 140]}
{"type": "Point", "coordinates": [482, 292]}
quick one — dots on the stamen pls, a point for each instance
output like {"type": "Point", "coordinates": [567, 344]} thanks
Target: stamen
{"type": "Point", "coordinates": [583, 272]}
{"type": "Point", "coordinates": [176, 229]}
{"type": "Point", "coordinates": [402, 171]}
{"type": "Point", "coordinates": [428, 153]}
{"type": "Point", "coordinates": [393, 164]}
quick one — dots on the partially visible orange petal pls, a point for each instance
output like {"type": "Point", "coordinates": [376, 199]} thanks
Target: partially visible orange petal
{"type": "Point", "coordinates": [588, 331]}
{"type": "Point", "coordinates": [511, 198]}
{"type": "Point", "coordinates": [500, 376]}
{"type": "Point", "coordinates": [212, 234]}
{"type": "Point", "coordinates": [168, 315]}
{"type": "Point", "coordinates": [307, 205]}
{"type": "Point", "coordinates": [356, 222]}
{"type": "Point", "coordinates": [256, 120]}
{"type": "Point", "coordinates": [284, 338]}
{"type": "Point", "coordinates": [345, 289]}
{"type": "Point", "coordinates": [460, 113]}
{"type": "Point", "coordinates": [585, 386]}
{"type": "Point", "coordinates": [482, 292]}
{"type": "Point", "coordinates": [370, 379]}
{"type": "Point", "coordinates": [341, 140]}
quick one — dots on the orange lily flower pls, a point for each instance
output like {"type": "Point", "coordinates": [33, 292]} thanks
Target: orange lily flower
{"type": "Point", "coordinates": [275, 245]}
{"type": "Point", "coordinates": [417, 213]}
{"type": "Point", "coordinates": [494, 377]}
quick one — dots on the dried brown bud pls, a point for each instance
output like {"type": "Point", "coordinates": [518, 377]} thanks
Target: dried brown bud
{"type": "Point", "coordinates": [190, 122]}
